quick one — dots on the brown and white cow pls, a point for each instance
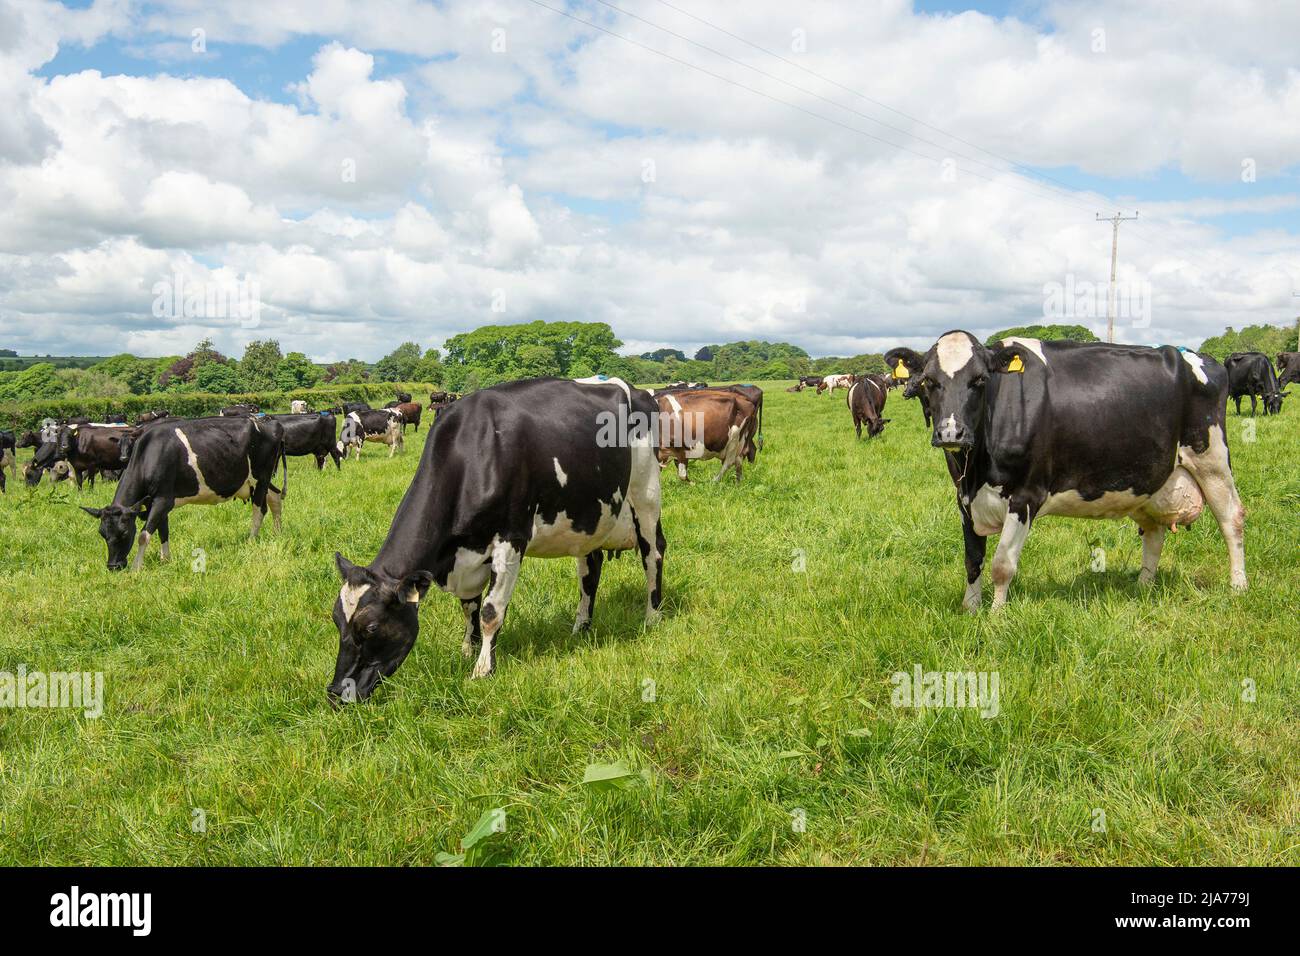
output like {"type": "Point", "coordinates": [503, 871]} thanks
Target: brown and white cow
{"type": "Point", "coordinates": [831, 382]}
{"type": "Point", "coordinates": [706, 423]}
{"type": "Point", "coordinates": [410, 412]}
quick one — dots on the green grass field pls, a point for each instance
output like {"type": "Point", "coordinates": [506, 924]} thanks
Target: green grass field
{"type": "Point", "coordinates": [770, 701]}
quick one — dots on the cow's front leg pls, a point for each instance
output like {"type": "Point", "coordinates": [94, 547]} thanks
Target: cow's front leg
{"type": "Point", "coordinates": [589, 566]}
{"type": "Point", "coordinates": [1006, 559]}
{"type": "Point", "coordinates": [506, 559]}
{"type": "Point", "coordinates": [157, 514]}
{"type": "Point", "coordinates": [975, 548]}
{"type": "Point", "coordinates": [473, 632]}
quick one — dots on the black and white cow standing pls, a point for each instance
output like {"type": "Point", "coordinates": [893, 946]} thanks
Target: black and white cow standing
{"type": "Point", "coordinates": [1251, 374]}
{"type": "Point", "coordinates": [313, 434]}
{"type": "Point", "coordinates": [202, 461]}
{"type": "Point", "coordinates": [1034, 428]}
{"type": "Point", "coordinates": [377, 425]}
{"type": "Point", "coordinates": [542, 467]}
{"type": "Point", "coordinates": [8, 455]}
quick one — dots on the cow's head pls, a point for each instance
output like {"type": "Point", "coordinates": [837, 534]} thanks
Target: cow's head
{"type": "Point", "coordinates": [951, 379]}
{"type": "Point", "coordinates": [117, 528]}
{"type": "Point", "coordinates": [378, 620]}
{"type": "Point", "coordinates": [1273, 402]}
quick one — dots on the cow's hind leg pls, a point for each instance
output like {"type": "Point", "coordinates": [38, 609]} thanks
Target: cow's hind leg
{"type": "Point", "coordinates": [589, 566]}
{"type": "Point", "coordinates": [276, 503]}
{"type": "Point", "coordinates": [1213, 473]}
{"type": "Point", "coordinates": [506, 559]}
{"type": "Point", "coordinates": [1153, 542]}
{"type": "Point", "coordinates": [473, 628]}
{"type": "Point", "coordinates": [164, 537]}
{"type": "Point", "coordinates": [1006, 559]}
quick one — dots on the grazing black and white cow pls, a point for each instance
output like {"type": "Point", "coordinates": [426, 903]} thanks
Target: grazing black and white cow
{"type": "Point", "coordinates": [203, 461]}
{"type": "Point", "coordinates": [153, 416]}
{"type": "Point", "coordinates": [349, 407]}
{"type": "Point", "coordinates": [377, 425]}
{"type": "Point", "coordinates": [311, 434]}
{"type": "Point", "coordinates": [543, 467]}
{"type": "Point", "coordinates": [1032, 428]}
{"type": "Point", "coordinates": [299, 407]}
{"type": "Point", "coordinates": [8, 455]}
{"type": "Point", "coordinates": [866, 401]}
{"type": "Point", "coordinates": [1251, 373]}
{"type": "Point", "coordinates": [235, 411]}
{"type": "Point", "coordinates": [1288, 368]}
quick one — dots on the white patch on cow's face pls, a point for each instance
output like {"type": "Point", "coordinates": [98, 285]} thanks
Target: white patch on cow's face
{"type": "Point", "coordinates": [350, 595]}
{"type": "Point", "coordinates": [1034, 345]}
{"type": "Point", "coordinates": [560, 476]}
{"type": "Point", "coordinates": [948, 430]}
{"type": "Point", "coordinates": [954, 351]}
{"type": "Point", "coordinates": [1198, 365]}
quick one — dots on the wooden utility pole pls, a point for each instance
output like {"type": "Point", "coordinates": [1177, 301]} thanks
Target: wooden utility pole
{"type": "Point", "coordinates": [1114, 220]}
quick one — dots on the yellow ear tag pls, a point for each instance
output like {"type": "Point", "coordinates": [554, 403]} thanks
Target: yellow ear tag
{"type": "Point", "coordinates": [1015, 365]}
{"type": "Point", "coordinates": [900, 370]}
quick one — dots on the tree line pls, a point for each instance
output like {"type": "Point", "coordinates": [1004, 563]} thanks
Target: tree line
{"type": "Point", "coordinates": [492, 354]}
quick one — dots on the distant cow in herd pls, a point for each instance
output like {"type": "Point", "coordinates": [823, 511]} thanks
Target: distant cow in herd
{"type": "Point", "coordinates": [311, 434]}
{"type": "Point", "coordinates": [866, 401]}
{"type": "Point", "coordinates": [1031, 428]}
{"type": "Point", "coordinates": [409, 411]}
{"type": "Point", "coordinates": [191, 461]}
{"type": "Point", "coordinates": [377, 425]}
{"type": "Point", "coordinates": [512, 471]}
{"type": "Point", "coordinates": [1288, 368]}
{"type": "Point", "coordinates": [830, 383]}
{"type": "Point", "coordinates": [1251, 374]}
{"type": "Point", "coordinates": [8, 455]}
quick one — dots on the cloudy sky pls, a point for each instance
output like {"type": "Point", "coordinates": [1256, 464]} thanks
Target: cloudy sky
{"type": "Point", "coordinates": [847, 176]}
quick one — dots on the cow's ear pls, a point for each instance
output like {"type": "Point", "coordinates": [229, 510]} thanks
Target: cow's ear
{"type": "Point", "coordinates": [93, 512]}
{"type": "Point", "coordinates": [1007, 358]}
{"type": "Point", "coordinates": [352, 573]}
{"type": "Point", "coordinates": [904, 363]}
{"type": "Point", "coordinates": [415, 586]}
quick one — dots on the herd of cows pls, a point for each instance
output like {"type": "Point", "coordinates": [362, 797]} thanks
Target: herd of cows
{"type": "Point", "coordinates": [571, 468]}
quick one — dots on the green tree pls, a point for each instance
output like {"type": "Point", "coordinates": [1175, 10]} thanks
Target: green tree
{"type": "Point", "coordinates": [399, 365]}
{"type": "Point", "coordinates": [1269, 339]}
{"type": "Point", "coordinates": [347, 372]}
{"type": "Point", "coordinates": [295, 370]}
{"type": "Point", "coordinates": [258, 367]}
{"type": "Point", "coordinates": [219, 378]}
{"type": "Point", "coordinates": [1048, 333]}
{"type": "Point", "coordinates": [429, 369]}
{"type": "Point", "coordinates": [36, 381]}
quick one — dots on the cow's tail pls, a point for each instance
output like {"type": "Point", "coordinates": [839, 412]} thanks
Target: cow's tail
{"type": "Point", "coordinates": [758, 439]}
{"type": "Point", "coordinates": [284, 464]}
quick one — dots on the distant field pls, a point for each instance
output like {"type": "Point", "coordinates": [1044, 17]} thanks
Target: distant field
{"type": "Point", "coordinates": [759, 709]}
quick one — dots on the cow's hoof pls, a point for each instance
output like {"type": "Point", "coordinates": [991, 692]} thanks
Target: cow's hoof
{"type": "Point", "coordinates": [653, 617]}
{"type": "Point", "coordinates": [481, 670]}
{"type": "Point", "coordinates": [581, 626]}
{"type": "Point", "coordinates": [1146, 578]}
{"type": "Point", "coordinates": [1239, 585]}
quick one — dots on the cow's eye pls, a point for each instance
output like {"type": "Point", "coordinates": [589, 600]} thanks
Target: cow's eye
{"type": "Point", "coordinates": [372, 628]}
{"type": "Point", "coordinates": [980, 381]}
